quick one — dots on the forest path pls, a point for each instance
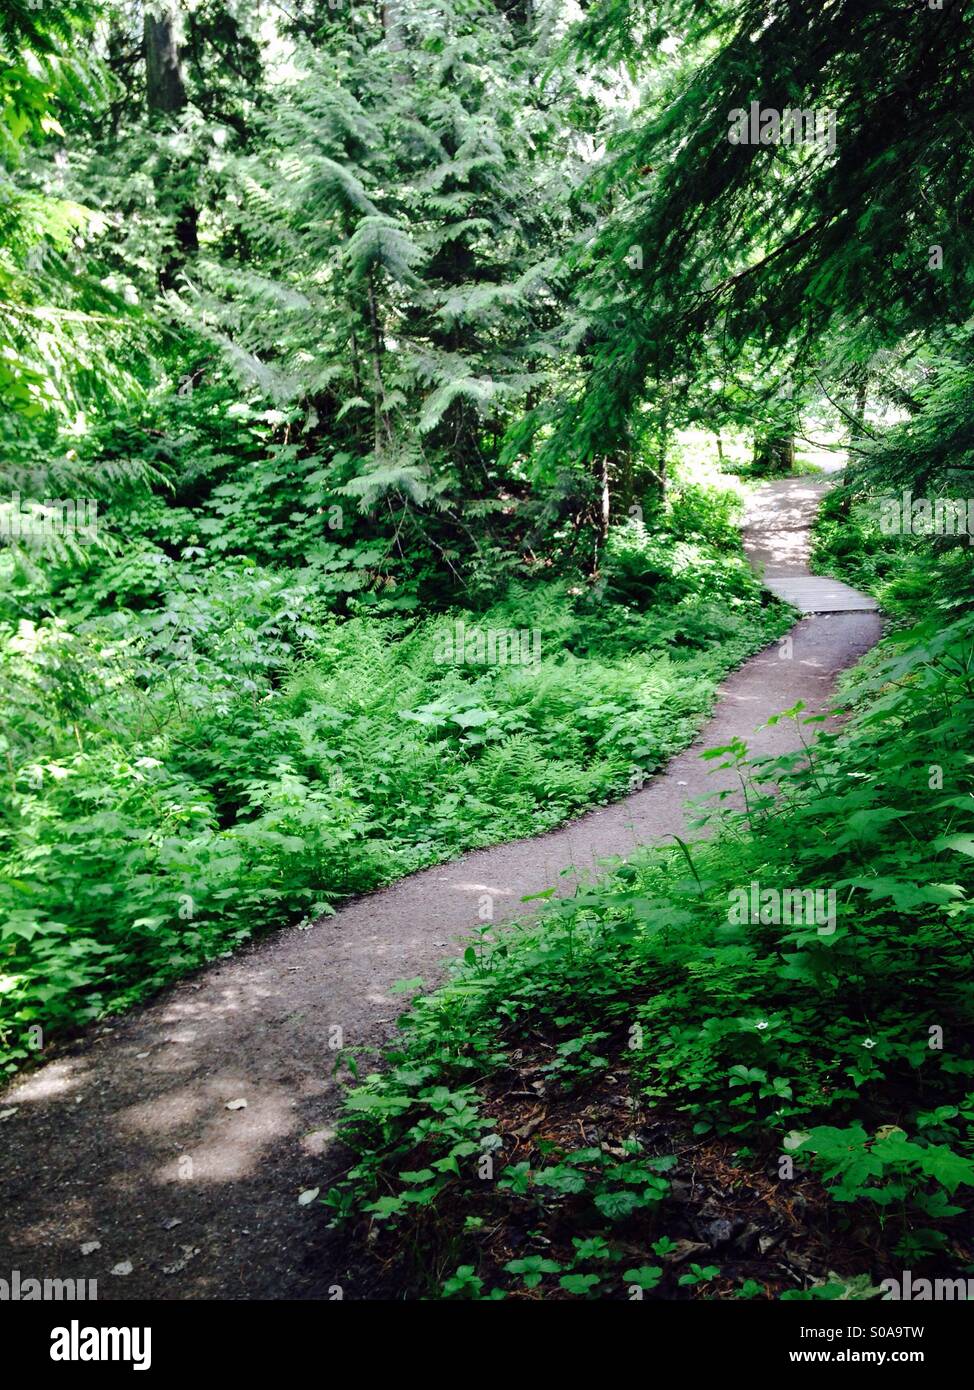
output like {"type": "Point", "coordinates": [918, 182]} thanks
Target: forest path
{"type": "Point", "coordinates": [127, 1140]}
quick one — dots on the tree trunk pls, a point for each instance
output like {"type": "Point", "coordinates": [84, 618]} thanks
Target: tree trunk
{"type": "Point", "coordinates": [165, 90]}
{"type": "Point", "coordinates": [604, 509]}
{"type": "Point", "coordinates": [858, 427]}
{"type": "Point", "coordinates": [165, 96]}
{"type": "Point", "coordinates": [395, 39]}
{"type": "Point", "coordinates": [664, 450]}
{"type": "Point", "coordinates": [774, 453]}
{"type": "Point", "coordinates": [381, 421]}
{"type": "Point", "coordinates": [601, 511]}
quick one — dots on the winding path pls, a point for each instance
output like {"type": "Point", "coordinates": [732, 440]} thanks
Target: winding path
{"type": "Point", "coordinates": [126, 1139]}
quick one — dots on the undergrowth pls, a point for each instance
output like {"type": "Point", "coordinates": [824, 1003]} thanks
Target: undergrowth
{"type": "Point", "coordinates": [223, 752]}
{"type": "Point", "coordinates": [839, 1056]}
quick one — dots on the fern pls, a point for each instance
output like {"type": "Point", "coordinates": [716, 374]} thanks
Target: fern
{"type": "Point", "coordinates": [380, 241]}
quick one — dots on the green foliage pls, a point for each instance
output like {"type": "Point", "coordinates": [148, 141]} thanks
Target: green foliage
{"type": "Point", "coordinates": [62, 330]}
{"type": "Point", "coordinates": [222, 754]}
{"type": "Point", "coordinates": [761, 249]}
{"type": "Point", "coordinates": [846, 1050]}
{"type": "Point", "coordinates": [378, 324]}
{"type": "Point", "coordinates": [928, 455]}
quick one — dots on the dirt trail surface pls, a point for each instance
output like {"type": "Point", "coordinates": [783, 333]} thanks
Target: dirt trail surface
{"type": "Point", "coordinates": [127, 1139]}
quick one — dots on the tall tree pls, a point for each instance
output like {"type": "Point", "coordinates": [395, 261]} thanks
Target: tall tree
{"type": "Point", "coordinates": [166, 100]}
{"type": "Point", "coordinates": [165, 87]}
{"type": "Point", "coordinates": [770, 241]}
{"type": "Point", "coordinates": [397, 278]}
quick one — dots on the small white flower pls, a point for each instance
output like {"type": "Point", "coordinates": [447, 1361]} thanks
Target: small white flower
{"type": "Point", "coordinates": [870, 1042]}
{"type": "Point", "coordinates": [761, 1024]}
